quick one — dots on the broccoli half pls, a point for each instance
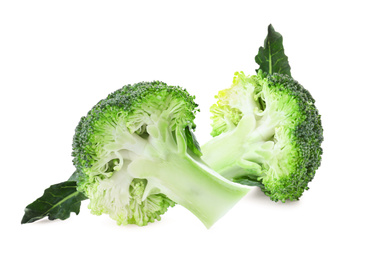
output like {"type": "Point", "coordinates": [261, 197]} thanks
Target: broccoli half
{"type": "Point", "coordinates": [136, 156]}
{"type": "Point", "coordinates": [267, 133]}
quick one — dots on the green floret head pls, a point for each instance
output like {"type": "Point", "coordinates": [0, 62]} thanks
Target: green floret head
{"type": "Point", "coordinates": [300, 138]}
{"type": "Point", "coordinates": [271, 133]}
{"type": "Point", "coordinates": [113, 134]}
{"type": "Point", "coordinates": [133, 104]}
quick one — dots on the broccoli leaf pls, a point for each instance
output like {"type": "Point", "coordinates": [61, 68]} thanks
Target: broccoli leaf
{"type": "Point", "coordinates": [57, 202]}
{"type": "Point", "coordinates": [271, 58]}
{"type": "Point", "coordinates": [192, 142]}
{"type": "Point", "coordinates": [244, 180]}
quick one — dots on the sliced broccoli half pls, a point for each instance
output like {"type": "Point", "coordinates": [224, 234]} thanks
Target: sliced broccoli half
{"type": "Point", "coordinates": [136, 156]}
{"type": "Point", "coordinates": [267, 133]}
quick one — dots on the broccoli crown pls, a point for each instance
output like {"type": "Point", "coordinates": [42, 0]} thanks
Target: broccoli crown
{"type": "Point", "coordinates": [271, 132]}
{"type": "Point", "coordinates": [136, 155]}
{"type": "Point", "coordinates": [113, 123]}
{"type": "Point", "coordinates": [130, 106]}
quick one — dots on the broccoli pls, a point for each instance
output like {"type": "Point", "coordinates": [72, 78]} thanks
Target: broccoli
{"type": "Point", "coordinates": [136, 155]}
{"type": "Point", "coordinates": [267, 133]}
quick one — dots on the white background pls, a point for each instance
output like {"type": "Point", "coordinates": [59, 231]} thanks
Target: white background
{"type": "Point", "coordinates": [59, 58]}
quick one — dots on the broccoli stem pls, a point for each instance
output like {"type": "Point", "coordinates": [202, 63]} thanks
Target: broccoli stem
{"type": "Point", "coordinates": [224, 161]}
{"type": "Point", "coordinates": [240, 152]}
{"type": "Point", "coordinates": [224, 151]}
{"type": "Point", "coordinates": [191, 184]}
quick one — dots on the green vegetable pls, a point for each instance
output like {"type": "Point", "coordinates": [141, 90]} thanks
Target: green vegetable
{"type": "Point", "coordinates": [136, 155]}
{"type": "Point", "coordinates": [57, 202]}
{"type": "Point", "coordinates": [271, 58]}
{"type": "Point", "coordinates": [267, 131]}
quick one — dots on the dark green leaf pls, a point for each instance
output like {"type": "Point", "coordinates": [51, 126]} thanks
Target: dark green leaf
{"type": "Point", "coordinates": [57, 202]}
{"type": "Point", "coordinates": [271, 58]}
{"type": "Point", "coordinates": [192, 143]}
{"type": "Point", "coordinates": [247, 181]}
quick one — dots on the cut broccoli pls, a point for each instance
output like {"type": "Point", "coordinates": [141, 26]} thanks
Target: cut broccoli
{"type": "Point", "coordinates": [136, 155]}
{"type": "Point", "coordinates": [267, 132]}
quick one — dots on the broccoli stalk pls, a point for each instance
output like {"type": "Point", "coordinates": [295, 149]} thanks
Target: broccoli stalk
{"type": "Point", "coordinates": [243, 149]}
{"type": "Point", "coordinates": [184, 178]}
{"type": "Point", "coordinates": [136, 155]}
{"type": "Point", "coordinates": [267, 133]}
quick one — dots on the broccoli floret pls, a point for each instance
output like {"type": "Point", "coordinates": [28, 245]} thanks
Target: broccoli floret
{"type": "Point", "coordinates": [136, 156]}
{"type": "Point", "coordinates": [267, 133]}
